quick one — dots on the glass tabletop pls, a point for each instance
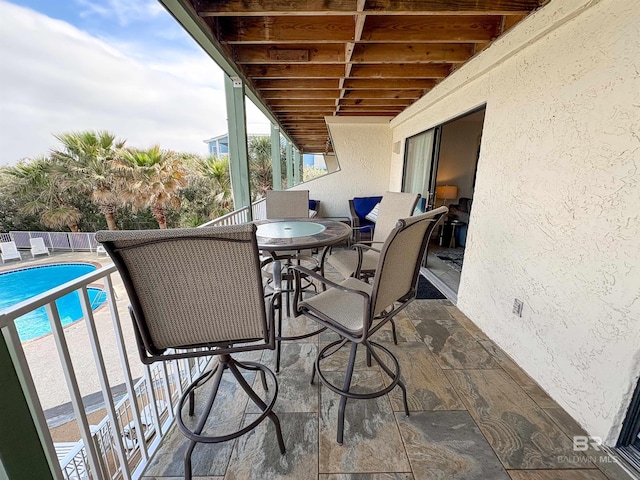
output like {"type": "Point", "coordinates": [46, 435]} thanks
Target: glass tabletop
{"type": "Point", "coordinates": [292, 234]}
{"type": "Point", "coordinates": [289, 229]}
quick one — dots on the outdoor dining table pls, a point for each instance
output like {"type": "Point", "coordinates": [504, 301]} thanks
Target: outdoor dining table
{"type": "Point", "coordinates": [277, 236]}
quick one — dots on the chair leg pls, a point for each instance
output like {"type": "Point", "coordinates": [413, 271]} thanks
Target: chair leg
{"type": "Point", "coordinates": [393, 332]}
{"type": "Point", "coordinates": [203, 419]}
{"type": "Point", "coordinates": [278, 336]}
{"type": "Point", "coordinates": [258, 401]}
{"type": "Point", "coordinates": [192, 401]}
{"type": "Point", "coordinates": [263, 377]}
{"type": "Point", "coordinates": [347, 385]}
{"type": "Point", "coordinates": [390, 374]}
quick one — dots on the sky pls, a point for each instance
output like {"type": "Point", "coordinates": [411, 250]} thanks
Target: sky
{"type": "Point", "coordinates": [118, 65]}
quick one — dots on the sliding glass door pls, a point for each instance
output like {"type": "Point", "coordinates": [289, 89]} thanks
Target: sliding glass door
{"type": "Point", "coordinates": [421, 165]}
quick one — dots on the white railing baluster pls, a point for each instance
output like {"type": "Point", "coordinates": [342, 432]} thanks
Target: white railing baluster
{"type": "Point", "coordinates": [167, 386]}
{"type": "Point", "coordinates": [124, 362]}
{"type": "Point", "coordinates": [33, 401]}
{"type": "Point", "coordinates": [87, 312]}
{"type": "Point", "coordinates": [188, 370]}
{"type": "Point", "coordinates": [178, 381]}
{"type": "Point", "coordinates": [154, 401]}
{"type": "Point", "coordinates": [72, 385]}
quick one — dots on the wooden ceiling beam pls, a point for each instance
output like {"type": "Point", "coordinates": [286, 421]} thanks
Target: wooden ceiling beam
{"type": "Point", "coordinates": [402, 102]}
{"type": "Point", "coordinates": [274, 7]}
{"type": "Point", "coordinates": [310, 59]}
{"type": "Point", "coordinates": [307, 130]}
{"type": "Point", "coordinates": [410, 70]}
{"type": "Point", "coordinates": [294, 71]}
{"type": "Point", "coordinates": [510, 20]}
{"type": "Point", "coordinates": [302, 94]}
{"type": "Point", "coordinates": [451, 7]}
{"type": "Point", "coordinates": [371, 108]}
{"type": "Point", "coordinates": [320, 29]}
{"type": "Point", "coordinates": [297, 128]}
{"type": "Point", "coordinates": [300, 102]}
{"type": "Point", "coordinates": [410, 94]}
{"type": "Point", "coordinates": [348, 7]}
{"type": "Point", "coordinates": [445, 29]}
{"type": "Point", "coordinates": [365, 114]}
{"type": "Point", "coordinates": [300, 117]}
{"type": "Point", "coordinates": [297, 84]}
{"type": "Point", "coordinates": [360, 19]}
{"type": "Point", "coordinates": [412, 52]}
{"type": "Point", "coordinates": [389, 84]}
{"type": "Point", "coordinates": [300, 108]}
{"type": "Point", "coordinates": [283, 53]}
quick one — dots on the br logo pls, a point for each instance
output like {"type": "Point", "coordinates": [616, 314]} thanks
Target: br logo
{"type": "Point", "coordinates": [582, 443]}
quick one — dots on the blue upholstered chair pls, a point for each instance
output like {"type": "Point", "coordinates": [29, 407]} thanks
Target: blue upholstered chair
{"type": "Point", "coordinates": [360, 207]}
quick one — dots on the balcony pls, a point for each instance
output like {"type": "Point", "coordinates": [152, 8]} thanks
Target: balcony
{"type": "Point", "coordinates": [474, 412]}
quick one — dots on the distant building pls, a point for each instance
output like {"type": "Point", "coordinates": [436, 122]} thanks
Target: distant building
{"type": "Point", "coordinates": [219, 146]}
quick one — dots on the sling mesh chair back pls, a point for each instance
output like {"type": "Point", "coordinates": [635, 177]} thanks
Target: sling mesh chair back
{"type": "Point", "coordinates": [197, 292]}
{"type": "Point", "coordinates": [287, 204]}
{"type": "Point", "coordinates": [355, 310]}
{"type": "Point", "coordinates": [362, 259]}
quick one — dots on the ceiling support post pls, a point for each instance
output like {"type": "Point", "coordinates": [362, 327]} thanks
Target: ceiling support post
{"type": "Point", "coordinates": [289, 162]}
{"type": "Point", "coordinates": [238, 152]}
{"type": "Point", "coordinates": [297, 166]}
{"type": "Point", "coordinates": [276, 166]}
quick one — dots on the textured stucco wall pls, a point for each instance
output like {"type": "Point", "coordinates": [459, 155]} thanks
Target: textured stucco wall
{"type": "Point", "coordinates": [555, 218]}
{"type": "Point", "coordinates": [362, 146]}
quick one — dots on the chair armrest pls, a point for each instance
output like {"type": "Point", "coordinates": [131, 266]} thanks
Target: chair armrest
{"type": "Point", "coordinates": [298, 270]}
{"type": "Point", "coordinates": [355, 219]}
{"type": "Point", "coordinates": [302, 270]}
{"type": "Point", "coordinates": [299, 310]}
{"type": "Point", "coordinates": [364, 246]}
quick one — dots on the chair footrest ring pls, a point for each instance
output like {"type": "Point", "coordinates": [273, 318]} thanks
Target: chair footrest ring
{"type": "Point", "coordinates": [364, 396]}
{"type": "Point", "coordinates": [187, 432]}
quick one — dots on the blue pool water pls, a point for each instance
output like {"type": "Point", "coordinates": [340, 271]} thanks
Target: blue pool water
{"type": "Point", "coordinates": [19, 285]}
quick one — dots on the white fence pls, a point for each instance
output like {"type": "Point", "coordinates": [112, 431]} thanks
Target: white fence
{"type": "Point", "coordinates": [83, 241]}
{"type": "Point", "coordinates": [72, 241]}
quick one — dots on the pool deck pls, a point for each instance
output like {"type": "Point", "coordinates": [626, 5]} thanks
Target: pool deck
{"type": "Point", "coordinates": [41, 353]}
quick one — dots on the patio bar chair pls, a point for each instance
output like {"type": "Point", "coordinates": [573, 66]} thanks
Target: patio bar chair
{"type": "Point", "coordinates": [356, 310]}
{"type": "Point", "coordinates": [361, 260]}
{"type": "Point", "coordinates": [198, 292]}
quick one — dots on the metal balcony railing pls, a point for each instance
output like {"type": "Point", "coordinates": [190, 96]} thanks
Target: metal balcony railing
{"type": "Point", "coordinates": [122, 443]}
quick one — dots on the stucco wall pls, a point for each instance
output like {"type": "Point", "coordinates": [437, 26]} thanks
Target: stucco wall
{"type": "Point", "coordinates": [362, 146]}
{"type": "Point", "coordinates": [555, 218]}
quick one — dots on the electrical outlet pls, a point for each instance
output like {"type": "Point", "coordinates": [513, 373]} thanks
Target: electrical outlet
{"type": "Point", "coordinates": [517, 307]}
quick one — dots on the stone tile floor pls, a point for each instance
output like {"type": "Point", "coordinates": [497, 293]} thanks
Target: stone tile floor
{"type": "Point", "coordinates": [474, 415]}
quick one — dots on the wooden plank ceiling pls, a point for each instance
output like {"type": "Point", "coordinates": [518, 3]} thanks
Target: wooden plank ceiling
{"type": "Point", "coordinates": [309, 59]}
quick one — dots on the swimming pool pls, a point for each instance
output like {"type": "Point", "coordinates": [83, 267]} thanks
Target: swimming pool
{"type": "Point", "coordinates": [19, 285]}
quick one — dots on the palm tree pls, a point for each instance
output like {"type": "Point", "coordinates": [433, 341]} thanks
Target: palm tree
{"type": "Point", "coordinates": [153, 178]}
{"type": "Point", "coordinates": [260, 169]}
{"type": "Point", "coordinates": [36, 184]}
{"type": "Point", "coordinates": [88, 161]}
{"type": "Point", "coordinates": [216, 171]}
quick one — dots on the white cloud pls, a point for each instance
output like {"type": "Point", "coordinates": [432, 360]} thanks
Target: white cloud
{"type": "Point", "coordinates": [55, 78]}
{"type": "Point", "coordinates": [124, 11]}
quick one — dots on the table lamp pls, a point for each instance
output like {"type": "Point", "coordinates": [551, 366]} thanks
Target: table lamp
{"type": "Point", "coordinates": [446, 193]}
